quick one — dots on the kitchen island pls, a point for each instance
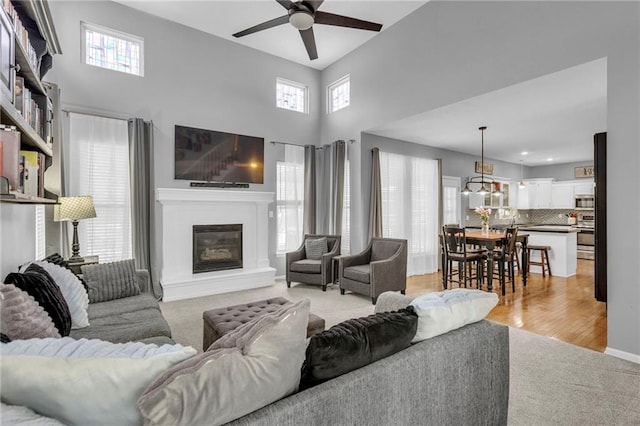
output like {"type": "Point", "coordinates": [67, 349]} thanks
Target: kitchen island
{"type": "Point", "coordinates": [563, 241]}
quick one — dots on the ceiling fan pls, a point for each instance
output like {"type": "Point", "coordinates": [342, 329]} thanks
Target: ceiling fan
{"type": "Point", "coordinates": [302, 15]}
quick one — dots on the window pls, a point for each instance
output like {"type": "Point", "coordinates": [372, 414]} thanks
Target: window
{"type": "Point", "coordinates": [99, 166]}
{"type": "Point", "coordinates": [451, 200]}
{"type": "Point", "coordinates": [291, 95]}
{"type": "Point", "coordinates": [410, 208]}
{"type": "Point", "coordinates": [111, 49]}
{"type": "Point", "coordinates": [290, 198]}
{"type": "Point", "coordinates": [339, 94]}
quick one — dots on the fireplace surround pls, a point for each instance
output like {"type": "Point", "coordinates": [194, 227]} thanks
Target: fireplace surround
{"type": "Point", "coordinates": [182, 209]}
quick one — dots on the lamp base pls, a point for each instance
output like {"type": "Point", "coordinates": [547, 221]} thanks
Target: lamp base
{"type": "Point", "coordinates": [75, 259]}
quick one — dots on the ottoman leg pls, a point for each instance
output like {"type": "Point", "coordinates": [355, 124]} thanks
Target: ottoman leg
{"type": "Point", "coordinates": [341, 291]}
{"type": "Point", "coordinates": [288, 284]}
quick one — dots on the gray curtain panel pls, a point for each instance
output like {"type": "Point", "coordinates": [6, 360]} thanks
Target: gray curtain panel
{"type": "Point", "coordinates": [338, 156]}
{"type": "Point", "coordinates": [309, 206]}
{"type": "Point", "coordinates": [330, 171]}
{"type": "Point", "coordinates": [140, 164]}
{"type": "Point", "coordinates": [375, 208]}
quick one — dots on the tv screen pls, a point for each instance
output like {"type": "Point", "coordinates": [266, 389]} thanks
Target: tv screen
{"type": "Point", "coordinates": [210, 156]}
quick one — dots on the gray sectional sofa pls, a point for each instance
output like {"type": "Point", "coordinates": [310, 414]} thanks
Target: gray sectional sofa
{"type": "Point", "coordinates": [134, 318]}
{"type": "Point", "coordinates": [457, 378]}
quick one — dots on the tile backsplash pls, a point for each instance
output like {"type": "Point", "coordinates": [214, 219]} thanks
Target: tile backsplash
{"type": "Point", "coordinates": [535, 217]}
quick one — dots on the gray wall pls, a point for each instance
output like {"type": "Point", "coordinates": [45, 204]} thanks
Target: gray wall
{"type": "Point", "coordinates": [192, 79]}
{"type": "Point", "coordinates": [558, 171]}
{"type": "Point", "coordinates": [446, 52]}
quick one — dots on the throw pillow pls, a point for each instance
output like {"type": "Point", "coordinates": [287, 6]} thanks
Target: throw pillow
{"type": "Point", "coordinates": [447, 310]}
{"type": "Point", "coordinates": [72, 290]}
{"type": "Point", "coordinates": [110, 281]}
{"type": "Point", "coordinates": [240, 373]}
{"type": "Point", "coordinates": [86, 381]}
{"type": "Point", "coordinates": [56, 259]}
{"type": "Point", "coordinates": [17, 415]}
{"type": "Point", "coordinates": [22, 317]}
{"type": "Point", "coordinates": [4, 338]}
{"type": "Point", "coordinates": [355, 343]}
{"type": "Point", "coordinates": [315, 247]}
{"type": "Point", "coordinates": [39, 284]}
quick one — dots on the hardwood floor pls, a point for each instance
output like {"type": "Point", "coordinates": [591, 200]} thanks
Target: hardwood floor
{"type": "Point", "coordinates": [561, 308]}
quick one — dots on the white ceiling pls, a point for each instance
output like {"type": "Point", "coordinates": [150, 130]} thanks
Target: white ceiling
{"type": "Point", "coordinates": [554, 116]}
{"type": "Point", "coordinates": [224, 18]}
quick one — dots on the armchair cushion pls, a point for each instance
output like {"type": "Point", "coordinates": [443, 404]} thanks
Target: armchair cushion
{"type": "Point", "coordinates": [382, 250]}
{"type": "Point", "coordinates": [315, 247]}
{"type": "Point", "coordinates": [360, 273]}
{"type": "Point", "coordinates": [307, 266]}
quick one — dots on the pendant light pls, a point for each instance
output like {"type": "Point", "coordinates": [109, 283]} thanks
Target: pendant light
{"type": "Point", "coordinates": [521, 184]}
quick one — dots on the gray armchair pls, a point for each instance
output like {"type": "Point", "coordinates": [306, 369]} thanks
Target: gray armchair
{"type": "Point", "coordinates": [300, 268]}
{"type": "Point", "coordinates": [381, 267]}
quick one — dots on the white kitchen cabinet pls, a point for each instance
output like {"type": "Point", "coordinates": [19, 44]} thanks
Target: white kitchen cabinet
{"type": "Point", "coordinates": [582, 188]}
{"type": "Point", "coordinates": [491, 200]}
{"type": "Point", "coordinates": [522, 203]}
{"type": "Point", "coordinates": [562, 195]}
{"type": "Point", "coordinates": [538, 192]}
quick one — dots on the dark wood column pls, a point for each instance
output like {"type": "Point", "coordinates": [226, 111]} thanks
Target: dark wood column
{"type": "Point", "coordinates": [600, 166]}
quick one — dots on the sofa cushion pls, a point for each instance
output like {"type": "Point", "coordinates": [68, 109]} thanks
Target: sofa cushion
{"type": "Point", "coordinates": [84, 382]}
{"type": "Point", "coordinates": [355, 343]}
{"type": "Point", "coordinates": [110, 281]}
{"type": "Point", "coordinates": [447, 310]}
{"type": "Point", "coordinates": [121, 306]}
{"type": "Point", "coordinates": [21, 317]}
{"type": "Point", "coordinates": [315, 247]}
{"type": "Point", "coordinates": [39, 284]}
{"type": "Point", "coordinates": [126, 327]}
{"type": "Point", "coordinates": [254, 365]}
{"type": "Point", "coordinates": [73, 291]}
{"type": "Point", "coordinates": [361, 273]}
{"type": "Point", "coordinates": [307, 266]}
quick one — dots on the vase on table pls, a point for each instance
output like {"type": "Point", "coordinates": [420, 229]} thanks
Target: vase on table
{"type": "Point", "coordinates": [485, 227]}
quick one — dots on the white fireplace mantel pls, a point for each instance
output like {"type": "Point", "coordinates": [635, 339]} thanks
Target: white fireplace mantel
{"type": "Point", "coordinates": [182, 209]}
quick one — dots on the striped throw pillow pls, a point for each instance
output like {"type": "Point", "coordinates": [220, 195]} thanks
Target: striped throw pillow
{"type": "Point", "coordinates": [315, 247]}
{"type": "Point", "coordinates": [110, 281]}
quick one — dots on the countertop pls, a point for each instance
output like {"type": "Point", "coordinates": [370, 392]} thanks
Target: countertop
{"type": "Point", "coordinates": [549, 228]}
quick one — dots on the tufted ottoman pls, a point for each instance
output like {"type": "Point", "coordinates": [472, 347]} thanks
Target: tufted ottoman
{"type": "Point", "coordinates": [218, 322]}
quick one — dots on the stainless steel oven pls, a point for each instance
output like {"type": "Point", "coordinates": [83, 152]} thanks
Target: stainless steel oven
{"type": "Point", "coordinates": [586, 243]}
{"type": "Point", "coordinates": [584, 202]}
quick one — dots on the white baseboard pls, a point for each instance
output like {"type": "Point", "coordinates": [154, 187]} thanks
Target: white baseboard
{"type": "Point", "coordinates": [280, 277]}
{"type": "Point", "coordinates": [623, 355]}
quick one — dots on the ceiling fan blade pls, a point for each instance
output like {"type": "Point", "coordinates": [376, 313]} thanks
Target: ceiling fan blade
{"type": "Point", "coordinates": [309, 42]}
{"type": "Point", "coordinates": [287, 4]}
{"type": "Point", "coordinates": [315, 4]}
{"type": "Point", "coordinates": [265, 25]}
{"type": "Point", "coordinates": [345, 21]}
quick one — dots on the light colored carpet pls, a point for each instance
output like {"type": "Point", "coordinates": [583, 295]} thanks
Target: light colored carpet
{"type": "Point", "coordinates": [551, 382]}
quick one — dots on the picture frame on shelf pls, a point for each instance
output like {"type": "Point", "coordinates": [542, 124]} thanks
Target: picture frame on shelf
{"type": "Point", "coordinates": [486, 168]}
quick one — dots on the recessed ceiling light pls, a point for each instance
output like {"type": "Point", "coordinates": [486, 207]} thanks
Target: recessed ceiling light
{"type": "Point", "coordinates": [524, 153]}
{"type": "Point", "coordinates": [549, 159]}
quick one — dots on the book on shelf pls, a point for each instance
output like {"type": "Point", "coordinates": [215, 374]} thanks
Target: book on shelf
{"type": "Point", "coordinates": [10, 141]}
{"type": "Point", "coordinates": [18, 94]}
{"type": "Point", "coordinates": [31, 172]}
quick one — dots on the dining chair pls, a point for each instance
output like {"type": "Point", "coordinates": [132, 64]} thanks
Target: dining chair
{"type": "Point", "coordinates": [469, 261]}
{"type": "Point", "coordinates": [506, 256]}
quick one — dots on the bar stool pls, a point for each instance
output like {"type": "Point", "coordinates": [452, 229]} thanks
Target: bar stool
{"type": "Point", "coordinates": [544, 258]}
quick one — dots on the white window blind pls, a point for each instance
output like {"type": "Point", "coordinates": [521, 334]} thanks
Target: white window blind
{"type": "Point", "coordinates": [99, 166]}
{"type": "Point", "coordinates": [290, 198]}
{"type": "Point", "coordinates": [40, 233]}
{"type": "Point", "coordinates": [346, 211]}
{"type": "Point", "coordinates": [410, 208]}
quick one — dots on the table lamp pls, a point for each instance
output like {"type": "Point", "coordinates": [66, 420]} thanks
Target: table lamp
{"type": "Point", "coordinates": [74, 209]}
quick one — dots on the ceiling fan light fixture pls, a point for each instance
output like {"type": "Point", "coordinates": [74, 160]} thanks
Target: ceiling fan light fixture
{"type": "Point", "coordinates": [301, 20]}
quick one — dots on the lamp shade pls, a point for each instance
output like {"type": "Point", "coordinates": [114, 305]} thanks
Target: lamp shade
{"type": "Point", "coordinates": [74, 208]}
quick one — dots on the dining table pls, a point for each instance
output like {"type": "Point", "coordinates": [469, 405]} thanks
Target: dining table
{"type": "Point", "coordinates": [491, 240]}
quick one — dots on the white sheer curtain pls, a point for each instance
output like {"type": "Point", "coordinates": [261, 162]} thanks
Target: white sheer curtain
{"type": "Point", "coordinates": [99, 166]}
{"type": "Point", "coordinates": [290, 197]}
{"type": "Point", "coordinates": [410, 208]}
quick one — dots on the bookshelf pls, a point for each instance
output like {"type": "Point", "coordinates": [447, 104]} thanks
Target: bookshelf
{"type": "Point", "coordinates": [27, 28]}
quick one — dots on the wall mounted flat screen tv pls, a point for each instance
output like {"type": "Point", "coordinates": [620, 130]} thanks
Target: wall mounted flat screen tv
{"type": "Point", "coordinates": [210, 156]}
